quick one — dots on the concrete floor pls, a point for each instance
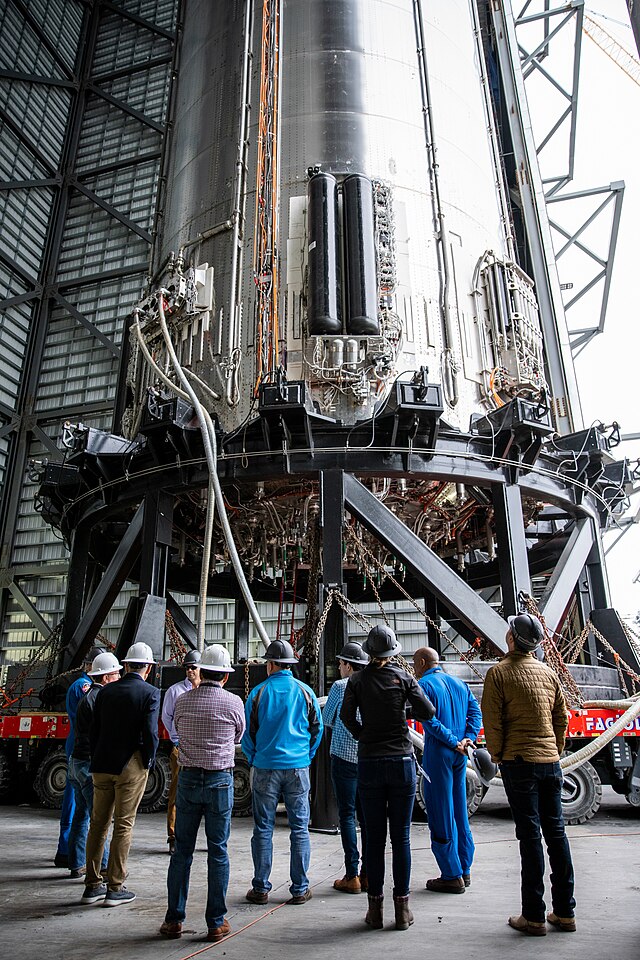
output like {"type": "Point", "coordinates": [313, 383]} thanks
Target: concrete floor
{"type": "Point", "coordinates": [42, 917]}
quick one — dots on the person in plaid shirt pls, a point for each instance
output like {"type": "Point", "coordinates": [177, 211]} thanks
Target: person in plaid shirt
{"type": "Point", "coordinates": [209, 721]}
{"type": "Point", "coordinates": [344, 770]}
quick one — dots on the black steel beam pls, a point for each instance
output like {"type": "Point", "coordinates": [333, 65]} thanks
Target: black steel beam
{"type": "Point", "coordinates": [511, 542]}
{"type": "Point", "coordinates": [147, 24]}
{"type": "Point", "coordinates": [426, 566]}
{"type": "Point", "coordinates": [91, 279]}
{"type": "Point", "coordinates": [36, 78]}
{"type": "Point", "coordinates": [25, 603]}
{"type": "Point", "coordinates": [126, 108]}
{"type": "Point", "coordinates": [44, 38]}
{"type": "Point", "coordinates": [27, 142]}
{"type": "Point", "coordinates": [130, 71]}
{"type": "Point", "coordinates": [87, 324]}
{"type": "Point", "coordinates": [107, 591]}
{"type": "Point", "coordinates": [156, 542]}
{"type": "Point", "coordinates": [240, 631]}
{"type": "Point", "coordinates": [566, 574]}
{"type": "Point", "coordinates": [184, 625]}
{"type": "Point", "coordinates": [113, 211]}
{"type": "Point", "coordinates": [331, 523]}
{"type": "Point", "coordinates": [135, 161]}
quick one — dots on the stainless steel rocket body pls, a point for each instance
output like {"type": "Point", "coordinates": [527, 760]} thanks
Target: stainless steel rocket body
{"type": "Point", "coordinates": [363, 158]}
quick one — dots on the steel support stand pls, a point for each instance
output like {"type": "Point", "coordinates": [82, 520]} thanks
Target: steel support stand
{"type": "Point", "coordinates": [513, 562]}
{"type": "Point", "coordinates": [241, 631]}
{"type": "Point", "coordinates": [331, 519]}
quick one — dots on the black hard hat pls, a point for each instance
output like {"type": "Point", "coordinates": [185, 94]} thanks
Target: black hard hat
{"type": "Point", "coordinates": [91, 654]}
{"type": "Point", "coordinates": [352, 652]}
{"type": "Point", "coordinates": [381, 642]}
{"type": "Point", "coordinates": [280, 651]}
{"type": "Point", "coordinates": [482, 763]}
{"type": "Point", "coordinates": [192, 659]}
{"type": "Point", "coordinates": [527, 631]}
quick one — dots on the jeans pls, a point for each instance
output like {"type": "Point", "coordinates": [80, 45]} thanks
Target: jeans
{"type": "Point", "coordinates": [344, 776]}
{"type": "Point", "coordinates": [117, 796]}
{"type": "Point", "coordinates": [268, 786]}
{"type": "Point", "coordinates": [445, 795]}
{"type": "Point", "coordinates": [534, 793]}
{"type": "Point", "coordinates": [387, 788]}
{"type": "Point", "coordinates": [79, 776]}
{"type": "Point", "coordinates": [207, 793]}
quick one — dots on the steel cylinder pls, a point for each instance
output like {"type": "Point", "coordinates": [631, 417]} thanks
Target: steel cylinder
{"type": "Point", "coordinates": [324, 306]}
{"type": "Point", "coordinates": [360, 257]}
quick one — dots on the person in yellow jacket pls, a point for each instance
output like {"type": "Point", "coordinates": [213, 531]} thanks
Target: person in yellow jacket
{"type": "Point", "coordinates": [525, 724]}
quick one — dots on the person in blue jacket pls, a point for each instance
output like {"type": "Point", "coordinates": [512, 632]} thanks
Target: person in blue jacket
{"type": "Point", "coordinates": [284, 729]}
{"type": "Point", "coordinates": [456, 725]}
{"type": "Point", "coordinates": [75, 693]}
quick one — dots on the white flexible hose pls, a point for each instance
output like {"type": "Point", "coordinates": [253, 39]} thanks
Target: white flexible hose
{"type": "Point", "coordinates": [209, 441]}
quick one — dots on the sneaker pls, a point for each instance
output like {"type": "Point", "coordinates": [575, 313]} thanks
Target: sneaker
{"type": "Point", "coordinates": [530, 927]}
{"type": "Point", "coordinates": [566, 924]}
{"type": "Point", "coordinates": [93, 894]}
{"type": "Point", "coordinates": [348, 885]}
{"type": "Point", "coordinates": [214, 934]}
{"type": "Point", "coordinates": [467, 879]}
{"type": "Point", "coordinates": [257, 896]}
{"type": "Point", "coordinates": [115, 897]}
{"type": "Point", "coordinates": [172, 931]}
{"type": "Point", "coordinates": [77, 874]}
{"type": "Point", "coordinates": [300, 898]}
{"type": "Point", "coordinates": [440, 885]}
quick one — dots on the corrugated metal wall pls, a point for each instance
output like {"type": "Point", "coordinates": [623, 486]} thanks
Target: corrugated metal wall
{"type": "Point", "coordinates": [83, 104]}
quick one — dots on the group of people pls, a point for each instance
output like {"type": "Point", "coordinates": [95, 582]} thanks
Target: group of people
{"type": "Point", "coordinates": [373, 771]}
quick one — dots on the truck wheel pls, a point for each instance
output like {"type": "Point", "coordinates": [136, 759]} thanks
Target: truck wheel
{"type": "Point", "coordinates": [51, 779]}
{"type": "Point", "coordinates": [156, 791]}
{"type": "Point", "coordinates": [241, 788]}
{"type": "Point", "coordinates": [475, 791]}
{"type": "Point", "coordinates": [6, 778]}
{"type": "Point", "coordinates": [581, 794]}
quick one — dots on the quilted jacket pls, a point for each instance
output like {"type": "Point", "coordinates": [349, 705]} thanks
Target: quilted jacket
{"type": "Point", "coordinates": [523, 710]}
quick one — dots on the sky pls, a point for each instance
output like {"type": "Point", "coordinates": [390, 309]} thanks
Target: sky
{"type": "Point", "coordinates": [607, 150]}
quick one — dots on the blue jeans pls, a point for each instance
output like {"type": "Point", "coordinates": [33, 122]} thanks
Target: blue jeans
{"type": "Point", "coordinates": [268, 786]}
{"type": "Point", "coordinates": [208, 793]}
{"type": "Point", "coordinates": [344, 776]}
{"type": "Point", "coordinates": [387, 788]}
{"type": "Point", "coordinates": [79, 776]}
{"type": "Point", "coordinates": [534, 792]}
{"type": "Point", "coordinates": [445, 796]}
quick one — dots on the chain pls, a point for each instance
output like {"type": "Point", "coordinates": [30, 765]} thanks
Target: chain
{"type": "Point", "coordinates": [367, 553]}
{"type": "Point", "coordinates": [311, 614]}
{"type": "Point", "coordinates": [620, 663]}
{"type": "Point", "coordinates": [177, 645]}
{"type": "Point", "coordinates": [553, 656]}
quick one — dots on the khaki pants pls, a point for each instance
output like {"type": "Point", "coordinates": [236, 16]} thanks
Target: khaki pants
{"type": "Point", "coordinates": [173, 792]}
{"type": "Point", "coordinates": [117, 796]}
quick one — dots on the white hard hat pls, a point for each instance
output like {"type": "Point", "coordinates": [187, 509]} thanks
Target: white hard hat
{"type": "Point", "coordinates": [216, 658]}
{"type": "Point", "coordinates": [104, 663]}
{"type": "Point", "coordinates": [139, 653]}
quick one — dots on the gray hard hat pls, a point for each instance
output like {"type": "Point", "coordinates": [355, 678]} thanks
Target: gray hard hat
{"type": "Point", "coordinates": [280, 651]}
{"type": "Point", "coordinates": [381, 642]}
{"type": "Point", "coordinates": [192, 659]}
{"type": "Point", "coordinates": [482, 763]}
{"type": "Point", "coordinates": [527, 631]}
{"type": "Point", "coordinates": [352, 652]}
{"type": "Point", "coordinates": [91, 654]}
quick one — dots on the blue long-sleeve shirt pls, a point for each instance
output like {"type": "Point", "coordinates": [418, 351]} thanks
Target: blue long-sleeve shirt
{"type": "Point", "coordinates": [457, 710]}
{"type": "Point", "coordinates": [284, 723]}
{"type": "Point", "coordinates": [75, 693]}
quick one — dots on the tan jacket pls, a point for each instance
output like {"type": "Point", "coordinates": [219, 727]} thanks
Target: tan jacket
{"type": "Point", "coordinates": [523, 710]}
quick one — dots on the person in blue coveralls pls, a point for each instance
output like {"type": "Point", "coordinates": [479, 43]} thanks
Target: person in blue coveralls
{"type": "Point", "coordinates": [446, 737]}
{"type": "Point", "coordinates": [284, 729]}
{"type": "Point", "coordinates": [75, 693]}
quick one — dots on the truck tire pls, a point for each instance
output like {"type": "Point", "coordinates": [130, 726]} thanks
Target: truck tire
{"type": "Point", "coordinates": [156, 791]}
{"type": "Point", "coordinates": [475, 791]}
{"type": "Point", "coordinates": [6, 775]}
{"type": "Point", "coordinates": [581, 794]}
{"type": "Point", "coordinates": [241, 788]}
{"type": "Point", "coordinates": [51, 779]}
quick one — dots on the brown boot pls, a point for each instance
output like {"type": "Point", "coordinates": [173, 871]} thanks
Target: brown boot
{"type": "Point", "coordinates": [530, 927]}
{"type": "Point", "coordinates": [347, 885]}
{"type": "Point", "coordinates": [374, 913]}
{"type": "Point", "coordinates": [566, 924]}
{"type": "Point", "coordinates": [404, 917]}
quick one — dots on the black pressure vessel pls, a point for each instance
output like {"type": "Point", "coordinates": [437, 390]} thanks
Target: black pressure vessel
{"type": "Point", "coordinates": [324, 303]}
{"type": "Point", "coordinates": [360, 257]}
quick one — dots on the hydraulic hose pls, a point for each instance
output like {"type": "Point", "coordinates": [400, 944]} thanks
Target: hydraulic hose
{"type": "Point", "coordinates": [210, 445]}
